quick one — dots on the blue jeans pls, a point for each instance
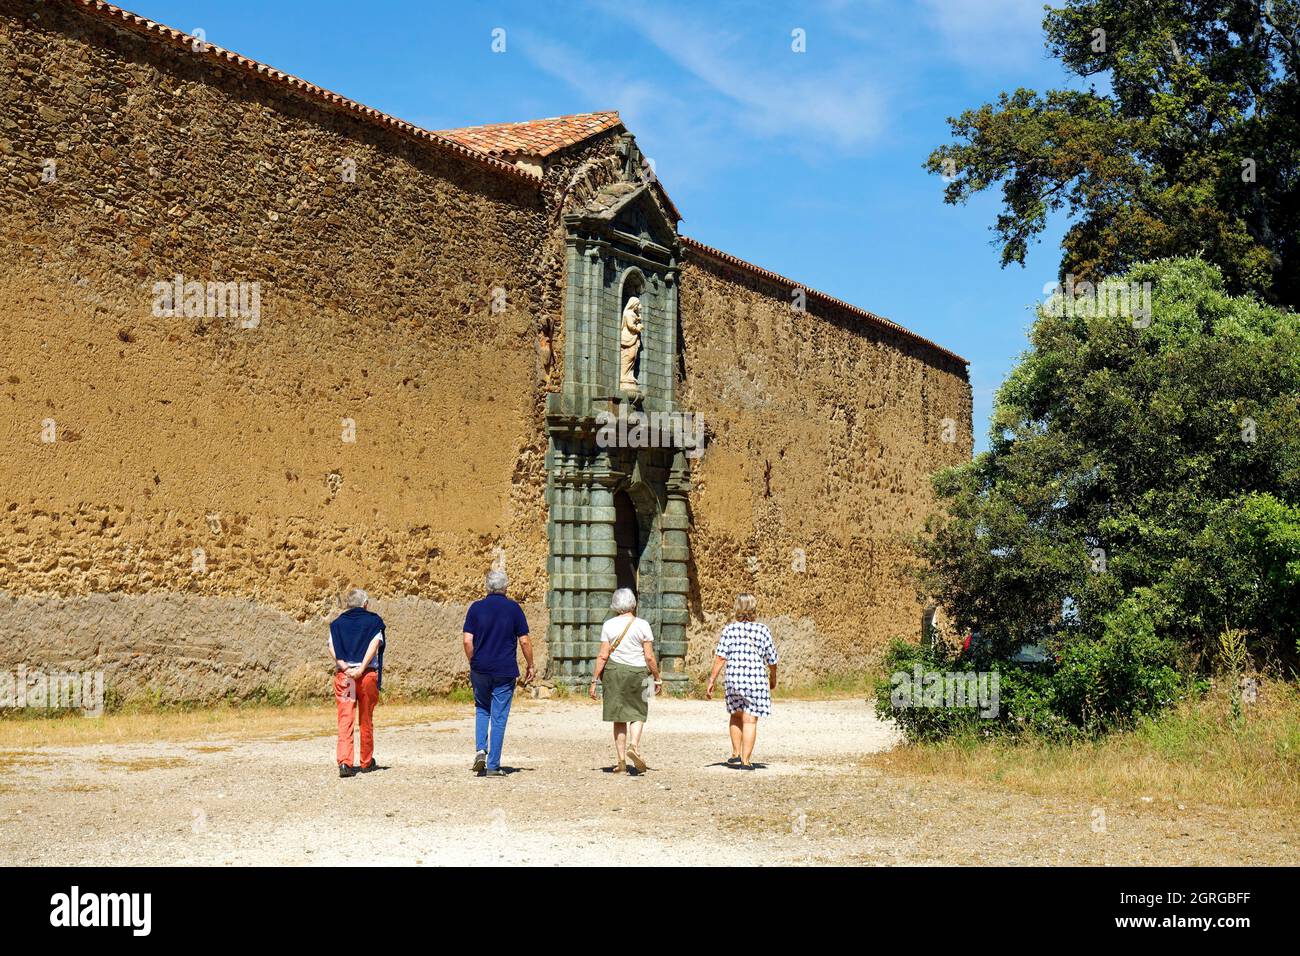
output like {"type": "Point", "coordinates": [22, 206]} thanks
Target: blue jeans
{"type": "Point", "coordinates": [492, 699]}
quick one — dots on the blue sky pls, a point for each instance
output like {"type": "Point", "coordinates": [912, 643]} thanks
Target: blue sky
{"type": "Point", "coordinates": [808, 164]}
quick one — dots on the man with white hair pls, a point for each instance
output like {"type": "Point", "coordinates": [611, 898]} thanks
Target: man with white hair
{"type": "Point", "coordinates": [493, 627]}
{"type": "Point", "coordinates": [357, 646]}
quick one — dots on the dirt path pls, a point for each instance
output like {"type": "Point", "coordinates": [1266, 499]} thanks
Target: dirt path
{"type": "Point", "coordinates": [280, 801]}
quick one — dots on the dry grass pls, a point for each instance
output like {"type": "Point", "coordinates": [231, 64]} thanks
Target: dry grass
{"type": "Point", "coordinates": [1192, 755]}
{"type": "Point", "coordinates": [16, 758]}
{"type": "Point", "coordinates": [143, 763]}
{"type": "Point", "coordinates": [838, 687]}
{"type": "Point", "coordinates": [239, 723]}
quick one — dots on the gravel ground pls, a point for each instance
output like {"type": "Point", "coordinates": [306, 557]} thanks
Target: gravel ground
{"type": "Point", "coordinates": [280, 801]}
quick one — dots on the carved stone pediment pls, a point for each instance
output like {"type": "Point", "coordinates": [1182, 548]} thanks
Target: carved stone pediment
{"type": "Point", "coordinates": [629, 210]}
{"type": "Point", "coordinates": [604, 180]}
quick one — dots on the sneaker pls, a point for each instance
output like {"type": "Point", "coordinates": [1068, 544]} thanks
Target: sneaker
{"type": "Point", "coordinates": [480, 762]}
{"type": "Point", "coordinates": [498, 772]}
{"type": "Point", "coordinates": [367, 767]}
{"type": "Point", "coordinates": [347, 770]}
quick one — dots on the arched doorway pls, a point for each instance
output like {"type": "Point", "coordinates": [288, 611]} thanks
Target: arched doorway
{"type": "Point", "coordinates": [627, 541]}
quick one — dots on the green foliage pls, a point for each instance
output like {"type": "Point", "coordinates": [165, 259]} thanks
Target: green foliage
{"type": "Point", "coordinates": [1186, 141]}
{"type": "Point", "coordinates": [1090, 688]}
{"type": "Point", "coordinates": [1233, 658]}
{"type": "Point", "coordinates": [1119, 460]}
{"type": "Point", "coordinates": [460, 694]}
{"type": "Point", "coordinates": [1244, 567]}
{"type": "Point", "coordinates": [1128, 671]}
{"type": "Point", "coordinates": [1139, 497]}
{"type": "Point", "coordinates": [918, 722]}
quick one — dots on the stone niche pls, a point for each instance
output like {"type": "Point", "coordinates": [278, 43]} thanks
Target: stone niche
{"type": "Point", "coordinates": [618, 477]}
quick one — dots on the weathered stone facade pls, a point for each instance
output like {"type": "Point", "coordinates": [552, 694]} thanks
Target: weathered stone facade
{"type": "Point", "coordinates": [822, 430]}
{"type": "Point", "coordinates": [415, 401]}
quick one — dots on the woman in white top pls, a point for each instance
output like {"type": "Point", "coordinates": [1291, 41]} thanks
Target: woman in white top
{"type": "Point", "coordinates": [624, 670]}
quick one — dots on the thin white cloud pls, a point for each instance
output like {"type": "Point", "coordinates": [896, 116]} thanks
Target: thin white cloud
{"type": "Point", "coordinates": [652, 108]}
{"type": "Point", "coordinates": [603, 85]}
{"type": "Point", "coordinates": [795, 97]}
{"type": "Point", "coordinates": [989, 35]}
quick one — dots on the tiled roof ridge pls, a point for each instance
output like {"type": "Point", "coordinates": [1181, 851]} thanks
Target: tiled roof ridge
{"type": "Point", "coordinates": [872, 317]}
{"type": "Point", "coordinates": [539, 119]}
{"type": "Point", "coordinates": [176, 37]}
{"type": "Point", "coordinates": [534, 137]}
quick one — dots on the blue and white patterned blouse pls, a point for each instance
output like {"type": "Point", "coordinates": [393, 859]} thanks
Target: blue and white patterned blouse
{"type": "Point", "coordinates": [748, 649]}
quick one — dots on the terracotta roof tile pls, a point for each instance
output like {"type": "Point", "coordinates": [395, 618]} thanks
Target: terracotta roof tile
{"type": "Point", "coordinates": [533, 137]}
{"type": "Point", "coordinates": [165, 33]}
{"type": "Point", "coordinates": [480, 144]}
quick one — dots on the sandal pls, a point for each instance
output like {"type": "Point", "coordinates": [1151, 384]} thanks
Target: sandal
{"type": "Point", "coordinates": [733, 760]}
{"type": "Point", "coordinates": [637, 760]}
{"type": "Point", "coordinates": [621, 767]}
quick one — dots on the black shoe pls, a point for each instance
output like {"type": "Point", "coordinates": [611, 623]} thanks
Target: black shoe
{"type": "Point", "coordinates": [494, 773]}
{"type": "Point", "coordinates": [480, 761]}
{"type": "Point", "coordinates": [733, 761]}
{"type": "Point", "coordinates": [746, 766]}
{"type": "Point", "coordinates": [366, 768]}
{"type": "Point", "coordinates": [347, 770]}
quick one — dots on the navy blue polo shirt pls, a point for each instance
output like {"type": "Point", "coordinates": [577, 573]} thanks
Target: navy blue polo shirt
{"type": "Point", "coordinates": [497, 623]}
{"type": "Point", "coordinates": [352, 631]}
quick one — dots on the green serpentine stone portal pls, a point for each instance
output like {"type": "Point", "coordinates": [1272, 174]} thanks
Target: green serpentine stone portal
{"type": "Point", "coordinates": [618, 514]}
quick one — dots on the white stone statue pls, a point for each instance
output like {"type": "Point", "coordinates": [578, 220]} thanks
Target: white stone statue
{"type": "Point", "coordinates": [629, 341]}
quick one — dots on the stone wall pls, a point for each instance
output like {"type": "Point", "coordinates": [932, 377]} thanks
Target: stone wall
{"type": "Point", "coordinates": [199, 509]}
{"type": "Point", "coordinates": [823, 428]}
{"type": "Point", "coordinates": [181, 433]}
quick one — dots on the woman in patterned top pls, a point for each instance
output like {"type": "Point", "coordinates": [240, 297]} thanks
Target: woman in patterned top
{"type": "Point", "coordinates": [747, 651]}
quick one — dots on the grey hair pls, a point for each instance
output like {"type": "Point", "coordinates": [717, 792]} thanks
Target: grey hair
{"type": "Point", "coordinates": [356, 598]}
{"type": "Point", "coordinates": [497, 582]}
{"type": "Point", "coordinates": [623, 601]}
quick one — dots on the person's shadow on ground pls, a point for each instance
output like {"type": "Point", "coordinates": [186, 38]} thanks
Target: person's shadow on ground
{"type": "Point", "coordinates": [734, 766]}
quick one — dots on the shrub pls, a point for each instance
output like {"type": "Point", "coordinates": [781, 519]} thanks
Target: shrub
{"type": "Point", "coordinates": [1092, 685]}
{"type": "Point", "coordinates": [916, 721]}
{"type": "Point", "coordinates": [1125, 673]}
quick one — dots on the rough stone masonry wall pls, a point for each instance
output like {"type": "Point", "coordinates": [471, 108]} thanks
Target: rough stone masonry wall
{"type": "Point", "coordinates": [180, 433]}
{"type": "Point", "coordinates": [823, 429]}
